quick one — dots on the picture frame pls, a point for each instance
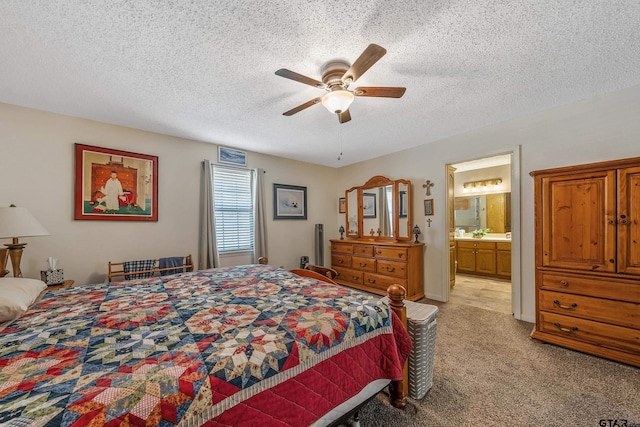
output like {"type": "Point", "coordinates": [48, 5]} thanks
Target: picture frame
{"type": "Point", "coordinates": [403, 204]}
{"type": "Point", "coordinates": [342, 205]}
{"type": "Point", "coordinates": [369, 205]}
{"type": "Point", "coordinates": [289, 202]}
{"type": "Point", "coordinates": [115, 185]}
{"type": "Point", "coordinates": [231, 156]}
{"type": "Point", "coordinates": [428, 207]}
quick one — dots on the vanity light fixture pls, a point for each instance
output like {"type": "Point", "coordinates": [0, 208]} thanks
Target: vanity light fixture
{"type": "Point", "coordinates": [484, 185]}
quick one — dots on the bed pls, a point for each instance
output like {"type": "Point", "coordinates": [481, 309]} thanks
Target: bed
{"type": "Point", "coordinates": [244, 345]}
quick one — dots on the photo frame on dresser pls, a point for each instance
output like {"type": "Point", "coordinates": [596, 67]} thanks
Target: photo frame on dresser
{"type": "Point", "coordinates": [115, 185]}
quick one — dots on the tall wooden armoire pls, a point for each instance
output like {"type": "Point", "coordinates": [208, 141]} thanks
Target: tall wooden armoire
{"type": "Point", "coordinates": [588, 258]}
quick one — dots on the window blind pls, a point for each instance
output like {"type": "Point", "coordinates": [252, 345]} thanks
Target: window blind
{"type": "Point", "coordinates": [233, 209]}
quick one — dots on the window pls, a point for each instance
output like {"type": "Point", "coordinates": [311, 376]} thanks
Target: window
{"type": "Point", "coordinates": [233, 209]}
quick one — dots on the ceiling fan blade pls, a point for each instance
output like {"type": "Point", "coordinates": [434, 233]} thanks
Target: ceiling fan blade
{"type": "Point", "coordinates": [379, 91]}
{"type": "Point", "coordinates": [288, 74]}
{"type": "Point", "coordinates": [301, 107]}
{"type": "Point", "coordinates": [344, 117]}
{"type": "Point", "coordinates": [370, 56]}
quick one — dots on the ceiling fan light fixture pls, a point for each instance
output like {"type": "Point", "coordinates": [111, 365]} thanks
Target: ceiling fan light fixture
{"type": "Point", "coordinates": [338, 101]}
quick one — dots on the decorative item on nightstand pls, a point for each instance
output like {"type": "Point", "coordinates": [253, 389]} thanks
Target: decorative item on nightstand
{"type": "Point", "coordinates": [417, 232]}
{"type": "Point", "coordinates": [341, 231]}
{"type": "Point", "coordinates": [53, 275]}
{"type": "Point", "coordinates": [15, 223]}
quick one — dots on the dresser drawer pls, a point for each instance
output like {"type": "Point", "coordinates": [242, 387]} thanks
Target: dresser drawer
{"type": "Point", "coordinates": [363, 250]}
{"type": "Point", "coordinates": [363, 263]}
{"type": "Point", "coordinates": [344, 248]}
{"type": "Point", "coordinates": [382, 282]}
{"type": "Point", "coordinates": [603, 310]}
{"type": "Point", "coordinates": [601, 287]}
{"type": "Point", "coordinates": [589, 331]}
{"type": "Point", "coordinates": [392, 268]}
{"type": "Point", "coordinates": [391, 253]}
{"type": "Point", "coordinates": [338, 260]}
{"type": "Point", "coordinates": [349, 275]}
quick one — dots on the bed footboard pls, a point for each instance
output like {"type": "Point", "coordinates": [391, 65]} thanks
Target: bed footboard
{"type": "Point", "coordinates": [398, 390]}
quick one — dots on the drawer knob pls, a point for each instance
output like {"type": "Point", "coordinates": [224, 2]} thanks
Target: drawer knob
{"type": "Point", "coordinates": [611, 222]}
{"type": "Point", "coordinates": [565, 307]}
{"type": "Point", "coordinates": [572, 329]}
{"type": "Point", "coordinates": [391, 269]}
{"type": "Point", "coordinates": [564, 282]}
{"type": "Point", "coordinates": [355, 277]}
{"type": "Point", "coordinates": [363, 264]}
{"type": "Point", "coordinates": [371, 280]}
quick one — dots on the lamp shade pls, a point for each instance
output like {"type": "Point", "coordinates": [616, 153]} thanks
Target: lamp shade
{"type": "Point", "coordinates": [337, 101]}
{"type": "Point", "coordinates": [18, 222]}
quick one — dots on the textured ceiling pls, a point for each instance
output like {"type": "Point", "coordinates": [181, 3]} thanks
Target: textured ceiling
{"type": "Point", "coordinates": [204, 69]}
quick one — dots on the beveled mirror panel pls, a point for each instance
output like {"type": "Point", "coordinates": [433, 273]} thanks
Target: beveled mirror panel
{"type": "Point", "coordinates": [404, 213]}
{"type": "Point", "coordinates": [351, 212]}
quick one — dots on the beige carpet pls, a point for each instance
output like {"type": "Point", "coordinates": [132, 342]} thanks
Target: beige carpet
{"type": "Point", "coordinates": [488, 372]}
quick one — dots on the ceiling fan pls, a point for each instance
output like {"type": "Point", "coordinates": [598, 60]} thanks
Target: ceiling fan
{"type": "Point", "coordinates": [337, 75]}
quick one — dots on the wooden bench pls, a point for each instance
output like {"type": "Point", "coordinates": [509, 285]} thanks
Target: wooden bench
{"type": "Point", "coordinates": [116, 269]}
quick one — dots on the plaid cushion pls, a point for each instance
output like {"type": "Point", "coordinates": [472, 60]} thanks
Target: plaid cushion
{"type": "Point", "coordinates": [140, 265]}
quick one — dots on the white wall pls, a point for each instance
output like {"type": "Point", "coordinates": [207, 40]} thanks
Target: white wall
{"type": "Point", "coordinates": [598, 129]}
{"type": "Point", "coordinates": [38, 173]}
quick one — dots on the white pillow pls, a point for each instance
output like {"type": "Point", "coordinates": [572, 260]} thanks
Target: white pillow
{"type": "Point", "coordinates": [16, 296]}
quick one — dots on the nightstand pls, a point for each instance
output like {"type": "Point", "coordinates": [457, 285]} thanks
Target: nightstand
{"type": "Point", "coordinates": [64, 285]}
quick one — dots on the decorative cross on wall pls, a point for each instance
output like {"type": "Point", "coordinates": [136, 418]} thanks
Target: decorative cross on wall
{"type": "Point", "coordinates": [429, 222]}
{"type": "Point", "coordinates": [428, 186]}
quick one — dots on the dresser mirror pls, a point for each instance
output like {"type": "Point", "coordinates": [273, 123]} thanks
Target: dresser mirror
{"type": "Point", "coordinates": [351, 212]}
{"type": "Point", "coordinates": [379, 209]}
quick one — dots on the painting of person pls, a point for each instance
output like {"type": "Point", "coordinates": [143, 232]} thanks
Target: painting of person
{"type": "Point", "coordinates": [112, 191]}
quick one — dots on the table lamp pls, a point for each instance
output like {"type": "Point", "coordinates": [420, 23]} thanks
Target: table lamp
{"type": "Point", "coordinates": [16, 222]}
{"type": "Point", "coordinates": [416, 231]}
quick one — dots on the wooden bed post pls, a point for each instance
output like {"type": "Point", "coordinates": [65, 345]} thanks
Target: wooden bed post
{"type": "Point", "coordinates": [399, 390]}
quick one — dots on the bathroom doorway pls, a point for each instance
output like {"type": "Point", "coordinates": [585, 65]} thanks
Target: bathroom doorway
{"type": "Point", "coordinates": [484, 229]}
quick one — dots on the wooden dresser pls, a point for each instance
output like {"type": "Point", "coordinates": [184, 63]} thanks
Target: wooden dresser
{"type": "Point", "coordinates": [588, 258]}
{"type": "Point", "coordinates": [373, 266]}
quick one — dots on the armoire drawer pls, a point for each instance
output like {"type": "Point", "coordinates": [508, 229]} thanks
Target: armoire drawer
{"type": "Point", "coordinates": [338, 260]}
{"type": "Point", "coordinates": [391, 253]}
{"type": "Point", "coordinates": [349, 275]}
{"type": "Point", "coordinates": [598, 333]}
{"type": "Point", "coordinates": [363, 263]}
{"type": "Point", "coordinates": [616, 312]}
{"type": "Point", "coordinates": [382, 282]}
{"type": "Point", "coordinates": [601, 287]}
{"type": "Point", "coordinates": [392, 268]}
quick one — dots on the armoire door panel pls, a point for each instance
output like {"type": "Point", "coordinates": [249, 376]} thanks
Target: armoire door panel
{"type": "Point", "coordinates": [628, 220]}
{"type": "Point", "coordinates": [579, 221]}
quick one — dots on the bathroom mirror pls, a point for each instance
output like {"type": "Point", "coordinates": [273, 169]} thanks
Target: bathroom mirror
{"type": "Point", "coordinates": [483, 211]}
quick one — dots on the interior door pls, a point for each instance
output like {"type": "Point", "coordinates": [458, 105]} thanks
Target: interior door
{"type": "Point", "coordinates": [452, 230]}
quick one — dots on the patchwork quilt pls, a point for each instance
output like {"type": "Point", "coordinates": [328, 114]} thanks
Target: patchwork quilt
{"type": "Point", "coordinates": [245, 345]}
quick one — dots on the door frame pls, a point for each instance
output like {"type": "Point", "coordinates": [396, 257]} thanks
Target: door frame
{"type": "Point", "coordinates": [516, 273]}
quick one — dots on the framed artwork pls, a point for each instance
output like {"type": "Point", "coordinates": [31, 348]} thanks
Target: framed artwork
{"type": "Point", "coordinates": [369, 205]}
{"type": "Point", "coordinates": [115, 185]}
{"type": "Point", "coordinates": [289, 202]}
{"type": "Point", "coordinates": [428, 207]}
{"type": "Point", "coordinates": [403, 204]}
{"type": "Point", "coordinates": [232, 156]}
{"type": "Point", "coordinates": [342, 203]}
